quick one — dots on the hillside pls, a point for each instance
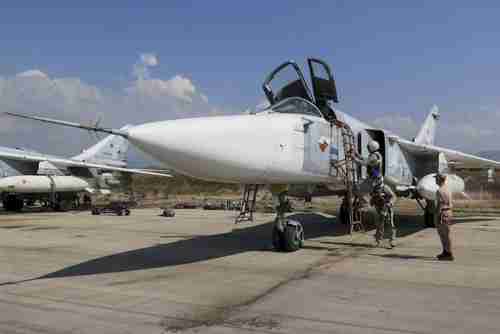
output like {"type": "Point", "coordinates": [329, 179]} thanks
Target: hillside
{"type": "Point", "coordinates": [491, 154]}
{"type": "Point", "coordinates": [179, 185]}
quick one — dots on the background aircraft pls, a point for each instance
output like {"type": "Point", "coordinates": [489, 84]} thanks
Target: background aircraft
{"type": "Point", "coordinates": [300, 140]}
{"type": "Point", "coordinates": [30, 176]}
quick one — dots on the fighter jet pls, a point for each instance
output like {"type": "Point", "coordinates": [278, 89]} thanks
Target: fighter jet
{"type": "Point", "coordinates": [28, 176]}
{"type": "Point", "coordinates": [300, 141]}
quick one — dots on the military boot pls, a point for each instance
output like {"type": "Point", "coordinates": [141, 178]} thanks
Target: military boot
{"type": "Point", "coordinates": [446, 256]}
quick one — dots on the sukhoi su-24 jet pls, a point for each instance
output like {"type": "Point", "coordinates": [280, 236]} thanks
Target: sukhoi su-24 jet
{"type": "Point", "coordinates": [299, 145]}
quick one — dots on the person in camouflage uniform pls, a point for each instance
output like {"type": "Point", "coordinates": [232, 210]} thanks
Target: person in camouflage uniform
{"type": "Point", "coordinates": [374, 167]}
{"type": "Point", "coordinates": [383, 201]}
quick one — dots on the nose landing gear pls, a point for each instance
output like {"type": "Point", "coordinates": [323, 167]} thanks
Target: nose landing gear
{"type": "Point", "coordinates": [288, 235]}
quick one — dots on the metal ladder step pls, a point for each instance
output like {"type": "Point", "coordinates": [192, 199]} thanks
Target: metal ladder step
{"type": "Point", "coordinates": [347, 168]}
{"type": "Point", "coordinates": [248, 203]}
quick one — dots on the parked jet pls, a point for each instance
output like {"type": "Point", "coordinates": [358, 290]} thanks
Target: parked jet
{"type": "Point", "coordinates": [300, 139]}
{"type": "Point", "coordinates": [29, 176]}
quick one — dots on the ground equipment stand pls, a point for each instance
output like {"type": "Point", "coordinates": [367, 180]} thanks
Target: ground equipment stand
{"type": "Point", "coordinates": [248, 203]}
{"type": "Point", "coordinates": [346, 168]}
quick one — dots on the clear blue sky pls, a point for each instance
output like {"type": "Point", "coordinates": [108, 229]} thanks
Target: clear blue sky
{"type": "Point", "coordinates": [388, 56]}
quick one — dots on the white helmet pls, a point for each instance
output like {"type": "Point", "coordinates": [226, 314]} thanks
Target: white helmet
{"type": "Point", "coordinates": [373, 146]}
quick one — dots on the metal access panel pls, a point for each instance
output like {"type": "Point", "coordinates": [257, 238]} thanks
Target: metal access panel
{"type": "Point", "coordinates": [317, 147]}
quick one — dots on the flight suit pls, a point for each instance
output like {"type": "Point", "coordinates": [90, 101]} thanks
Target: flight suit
{"type": "Point", "coordinates": [374, 170]}
{"type": "Point", "coordinates": [383, 201]}
{"type": "Point", "coordinates": [443, 216]}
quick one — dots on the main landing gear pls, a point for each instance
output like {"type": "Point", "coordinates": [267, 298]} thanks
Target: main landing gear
{"type": "Point", "coordinates": [288, 235]}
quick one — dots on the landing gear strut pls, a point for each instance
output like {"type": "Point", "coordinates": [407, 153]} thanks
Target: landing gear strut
{"type": "Point", "coordinates": [288, 235]}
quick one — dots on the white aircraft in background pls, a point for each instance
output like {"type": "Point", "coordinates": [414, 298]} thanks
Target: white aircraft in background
{"type": "Point", "coordinates": [30, 176]}
{"type": "Point", "coordinates": [298, 142]}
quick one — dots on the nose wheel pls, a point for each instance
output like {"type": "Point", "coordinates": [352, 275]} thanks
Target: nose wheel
{"type": "Point", "coordinates": [288, 235]}
{"type": "Point", "coordinates": [289, 240]}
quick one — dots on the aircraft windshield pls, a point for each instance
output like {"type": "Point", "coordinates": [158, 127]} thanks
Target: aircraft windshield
{"type": "Point", "coordinates": [295, 105]}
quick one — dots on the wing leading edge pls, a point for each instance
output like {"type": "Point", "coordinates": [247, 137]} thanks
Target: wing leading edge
{"type": "Point", "coordinates": [455, 158]}
{"type": "Point", "coordinates": [27, 156]}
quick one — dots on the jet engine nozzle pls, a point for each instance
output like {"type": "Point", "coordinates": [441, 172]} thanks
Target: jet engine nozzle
{"type": "Point", "coordinates": [427, 186]}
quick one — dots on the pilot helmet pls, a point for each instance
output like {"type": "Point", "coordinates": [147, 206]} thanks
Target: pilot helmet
{"type": "Point", "coordinates": [373, 146]}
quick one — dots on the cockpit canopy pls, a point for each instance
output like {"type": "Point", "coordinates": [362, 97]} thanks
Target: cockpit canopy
{"type": "Point", "coordinates": [287, 81]}
{"type": "Point", "coordinates": [284, 82]}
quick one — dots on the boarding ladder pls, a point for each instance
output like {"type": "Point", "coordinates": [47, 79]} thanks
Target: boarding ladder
{"type": "Point", "coordinates": [346, 168]}
{"type": "Point", "coordinates": [248, 203]}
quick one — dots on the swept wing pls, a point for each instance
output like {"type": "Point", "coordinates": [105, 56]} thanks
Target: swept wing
{"type": "Point", "coordinates": [456, 159]}
{"type": "Point", "coordinates": [36, 157]}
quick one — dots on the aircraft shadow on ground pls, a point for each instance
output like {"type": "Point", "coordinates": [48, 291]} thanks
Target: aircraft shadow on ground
{"type": "Point", "coordinates": [199, 248]}
{"type": "Point", "coordinates": [202, 248]}
{"type": "Point", "coordinates": [408, 224]}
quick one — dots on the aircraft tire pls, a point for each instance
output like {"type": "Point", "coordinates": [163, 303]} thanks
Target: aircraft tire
{"type": "Point", "coordinates": [12, 203]}
{"type": "Point", "coordinates": [19, 204]}
{"type": "Point", "coordinates": [62, 206]}
{"type": "Point", "coordinates": [293, 237]}
{"type": "Point", "coordinates": [6, 205]}
{"type": "Point", "coordinates": [278, 240]}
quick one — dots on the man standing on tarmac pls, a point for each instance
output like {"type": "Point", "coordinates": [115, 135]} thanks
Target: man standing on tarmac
{"type": "Point", "coordinates": [443, 216]}
{"type": "Point", "coordinates": [383, 201]}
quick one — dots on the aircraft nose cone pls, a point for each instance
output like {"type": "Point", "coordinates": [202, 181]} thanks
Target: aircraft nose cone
{"type": "Point", "coordinates": [171, 136]}
{"type": "Point", "coordinates": [211, 148]}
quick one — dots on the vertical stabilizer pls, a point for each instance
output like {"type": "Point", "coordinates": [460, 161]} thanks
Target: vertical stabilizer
{"type": "Point", "coordinates": [427, 132]}
{"type": "Point", "coordinates": [112, 151]}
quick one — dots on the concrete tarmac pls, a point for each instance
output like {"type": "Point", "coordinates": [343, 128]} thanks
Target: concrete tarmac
{"type": "Point", "coordinates": [199, 273]}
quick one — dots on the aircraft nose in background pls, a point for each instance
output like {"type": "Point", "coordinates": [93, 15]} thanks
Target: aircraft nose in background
{"type": "Point", "coordinates": [7, 184]}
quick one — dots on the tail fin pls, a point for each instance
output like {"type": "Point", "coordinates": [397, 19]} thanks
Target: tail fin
{"type": "Point", "coordinates": [112, 151]}
{"type": "Point", "coordinates": [427, 132]}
